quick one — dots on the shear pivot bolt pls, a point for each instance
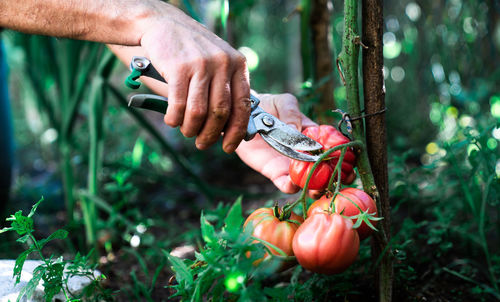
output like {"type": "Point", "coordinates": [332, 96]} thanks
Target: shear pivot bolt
{"type": "Point", "coordinates": [269, 122]}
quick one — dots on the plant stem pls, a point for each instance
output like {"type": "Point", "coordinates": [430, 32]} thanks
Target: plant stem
{"type": "Point", "coordinates": [302, 198]}
{"type": "Point", "coordinates": [68, 181]}
{"type": "Point", "coordinates": [305, 42]}
{"type": "Point", "coordinates": [348, 59]}
{"type": "Point", "coordinates": [338, 167]}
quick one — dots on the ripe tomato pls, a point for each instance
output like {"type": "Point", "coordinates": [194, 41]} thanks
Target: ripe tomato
{"type": "Point", "coordinates": [268, 227]}
{"type": "Point", "coordinates": [329, 137]}
{"type": "Point", "coordinates": [344, 206]}
{"type": "Point", "coordinates": [326, 243]}
{"type": "Point", "coordinates": [347, 208]}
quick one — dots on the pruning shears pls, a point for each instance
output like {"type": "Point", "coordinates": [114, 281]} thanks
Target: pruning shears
{"type": "Point", "coordinates": [283, 138]}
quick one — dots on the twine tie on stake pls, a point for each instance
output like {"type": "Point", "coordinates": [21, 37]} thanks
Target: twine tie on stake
{"type": "Point", "coordinates": [347, 119]}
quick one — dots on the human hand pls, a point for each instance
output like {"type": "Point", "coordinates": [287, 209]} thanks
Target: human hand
{"type": "Point", "coordinates": [261, 157]}
{"type": "Point", "coordinates": [208, 82]}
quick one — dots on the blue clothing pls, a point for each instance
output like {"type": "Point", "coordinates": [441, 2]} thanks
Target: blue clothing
{"type": "Point", "coordinates": [6, 134]}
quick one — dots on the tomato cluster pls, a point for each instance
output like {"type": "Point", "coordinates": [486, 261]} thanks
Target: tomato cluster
{"type": "Point", "coordinates": [326, 242]}
{"type": "Point", "coordinates": [329, 137]}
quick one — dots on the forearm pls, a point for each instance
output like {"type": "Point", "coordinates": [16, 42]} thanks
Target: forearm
{"type": "Point", "coordinates": [107, 21]}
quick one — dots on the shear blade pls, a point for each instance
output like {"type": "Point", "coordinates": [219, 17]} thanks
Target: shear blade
{"type": "Point", "coordinates": [288, 152]}
{"type": "Point", "coordinates": [293, 139]}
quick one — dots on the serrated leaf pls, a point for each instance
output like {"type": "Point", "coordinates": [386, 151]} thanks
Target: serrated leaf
{"type": "Point", "coordinates": [199, 256]}
{"type": "Point", "coordinates": [53, 280]}
{"type": "Point", "coordinates": [34, 207]}
{"type": "Point", "coordinates": [234, 218]}
{"type": "Point", "coordinates": [6, 229]}
{"type": "Point", "coordinates": [23, 239]}
{"type": "Point", "coordinates": [207, 230]}
{"type": "Point", "coordinates": [182, 273]}
{"type": "Point", "coordinates": [207, 279]}
{"type": "Point", "coordinates": [59, 234]}
{"type": "Point", "coordinates": [18, 266]}
{"type": "Point", "coordinates": [30, 287]}
{"type": "Point", "coordinates": [21, 224]}
{"type": "Point", "coordinates": [197, 292]}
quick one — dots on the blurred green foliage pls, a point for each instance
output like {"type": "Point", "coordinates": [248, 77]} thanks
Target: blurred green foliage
{"type": "Point", "coordinates": [443, 124]}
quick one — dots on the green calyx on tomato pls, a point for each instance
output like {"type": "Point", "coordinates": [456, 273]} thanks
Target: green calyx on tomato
{"type": "Point", "coordinates": [329, 137]}
{"type": "Point", "coordinates": [275, 234]}
{"type": "Point", "coordinates": [353, 203]}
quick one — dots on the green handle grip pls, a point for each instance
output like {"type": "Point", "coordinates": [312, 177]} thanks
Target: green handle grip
{"type": "Point", "coordinates": [150, 102]}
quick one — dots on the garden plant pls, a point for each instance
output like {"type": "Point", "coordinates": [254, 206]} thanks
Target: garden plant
{"type": "Point", "coordinates": [402, 204]}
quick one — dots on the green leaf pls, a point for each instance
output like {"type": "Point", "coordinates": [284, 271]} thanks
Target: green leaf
{"type": "Point", "coordinates": [59, 234]}
{"type": "Point", "coordinates": [6, 229]}
{"type": "Point", "coordinates": [18, 267]}
{"type": "Point", "coordinates": [182, 273]}
{"type": "Point", "coordinates": [30, 287]}
{"type": "Point", "coordinates": [207, 231]}
{"type": "Point", "coordinates": [34, 207]}
{"type": "Point", "coordinates": [52, 280]}
{"type": "Point", "coordinates": [234, 218]}
{"type": "Point", "coordinates": [21, 224]}
{"type": "Point", "coordinates": [23, 239]}
{"type": "Point", "coordinates": [207, 279]}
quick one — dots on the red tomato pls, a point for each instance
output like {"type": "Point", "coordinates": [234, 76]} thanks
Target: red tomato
{"type": "Point", "coordinates": [329, 137]}
{"type": "Point", "coordinates": [268, 227]}
{"type": "Point", "coordinates": [326, 243]}
{"type": "Point", "coordinates": [319, 206]}
{"type": "Point", "coordinates": [347, 208]}
{"type": "Point", "coordinates": [344, 206]}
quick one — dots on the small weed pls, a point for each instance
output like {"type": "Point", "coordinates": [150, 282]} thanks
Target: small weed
{"type": "Point", "coordinates": [54, 271]}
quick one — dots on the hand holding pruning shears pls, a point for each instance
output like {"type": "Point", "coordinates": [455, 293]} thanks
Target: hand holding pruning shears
{"type": "Point", "coordinates": [283, 138]}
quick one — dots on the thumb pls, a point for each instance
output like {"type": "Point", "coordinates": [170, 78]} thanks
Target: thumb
{"type": "Point", "coordinates": [287, 107]}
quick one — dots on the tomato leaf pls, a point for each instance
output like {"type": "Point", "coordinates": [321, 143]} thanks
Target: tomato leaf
{"type": "Point", "coordinates": [59, 234]}
{"type": "Point", "coordinates": [234, 218]}
{"type": "Point", "coordinates": [34, 207]}
{"type": "Point", "coordinates": [18, 267]}
{"type": "Point", "coordinates": [207, 231]}
{"type": "Point", "coordinates": [30, 287]}
{"type": "Point", "coordinates": [182, 272]}
{"type": "Point", "coordinates": [270, 246]}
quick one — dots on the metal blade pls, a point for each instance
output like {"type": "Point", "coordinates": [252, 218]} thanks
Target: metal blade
{"type": "Point", "coordinates": [288, 152]}
{"type": "Point", "coordinates": [293, 139]}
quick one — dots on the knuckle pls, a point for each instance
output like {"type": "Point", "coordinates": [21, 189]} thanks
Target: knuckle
{"type": "Point", "coordinates": [181, 68]}
{"type": "Point", "coordinates": [209, 137]}
{"type": "Point", "coordinates": [290, 98]}
{"type": "Point", "coordinates": [200, 64]}
{"type": "Point", "coordinates": [178, 106]}
{"type": "Point", "coordinates": [197, 112]}
{"type": "Point", "coordinates": [240, 60]}
{"type": "Point", "coordinates": [221, 112]}
{"type": "Point", "coordinates": [187, 132]}
{"type": "Point", "coordinates": [223, 60]}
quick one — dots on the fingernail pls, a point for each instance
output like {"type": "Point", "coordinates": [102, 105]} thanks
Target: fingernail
{"type": "Point", "coordinates": [201, 146]}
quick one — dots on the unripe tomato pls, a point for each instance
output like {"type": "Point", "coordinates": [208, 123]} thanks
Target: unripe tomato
{"type": "Point", "coordinates": [344, 206]}
{"type": "Point", "coordinates": [268, 227]}
{"type": "Point", "coordinates": [326, 243]}
{"type": "Point", "coordinates": [329, 137]}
